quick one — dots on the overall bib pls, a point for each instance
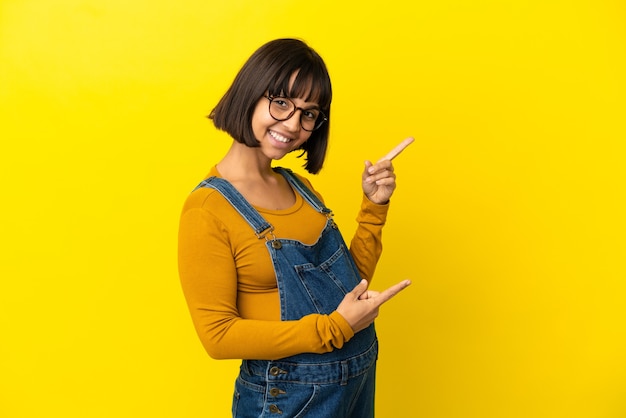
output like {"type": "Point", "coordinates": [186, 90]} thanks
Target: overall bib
{"type": "Point", "coordinates": [312, 279]}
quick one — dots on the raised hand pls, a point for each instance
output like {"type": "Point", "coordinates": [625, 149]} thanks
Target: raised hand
{"type": "Point", "coordinates": [360, 306]}
{"type": "Point", "coordinates": [379, 180]}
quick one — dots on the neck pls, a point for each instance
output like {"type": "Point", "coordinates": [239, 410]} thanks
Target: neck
{"type": "Point", "coordinates": [242, 162]}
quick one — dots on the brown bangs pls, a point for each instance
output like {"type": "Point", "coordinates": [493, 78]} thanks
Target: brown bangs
{"type": "Point", "coordinates": [311, 85]}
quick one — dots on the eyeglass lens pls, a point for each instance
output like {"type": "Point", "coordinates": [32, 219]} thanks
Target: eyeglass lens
{"type": "Point", "coordinates": [282, 108]}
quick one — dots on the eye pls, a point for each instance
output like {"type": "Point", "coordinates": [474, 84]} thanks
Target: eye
{"type": "Point", "coordinates": [310, 114]}
{"type": "Point", "coordinates": [281, 103]}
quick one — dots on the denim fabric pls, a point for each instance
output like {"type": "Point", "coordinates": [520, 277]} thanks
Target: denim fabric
{"type": "Point", "coordinates": [311, 279]}
{"type": "Point", "coordinates": [325, 390]}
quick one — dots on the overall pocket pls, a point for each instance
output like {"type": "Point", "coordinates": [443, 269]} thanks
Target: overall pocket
{"type": "Point", "coordinates": [327, 283]}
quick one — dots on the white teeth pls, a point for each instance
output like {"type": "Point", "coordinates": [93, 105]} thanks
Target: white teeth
{"type": "Point", "coordinates": [279, 137]}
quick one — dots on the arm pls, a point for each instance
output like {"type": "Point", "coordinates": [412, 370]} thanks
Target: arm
{"type": "Point", "coordinates": [360, 306]}
{"type": "Point", "coordinates": [208, 275]}
{"type": "Point", "coordinates": [378, 182]}
{"type": "Point", "coordinates": [366, 245]}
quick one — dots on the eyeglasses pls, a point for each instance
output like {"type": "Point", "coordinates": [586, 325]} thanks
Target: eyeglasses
{"type": "Point", "coordinates": [282, 108]}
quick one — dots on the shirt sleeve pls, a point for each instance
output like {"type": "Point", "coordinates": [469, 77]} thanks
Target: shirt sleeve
{"type": "Point", "coordinates": [209, 280]}
{"type": "Point", "coordinates": [366, 245]}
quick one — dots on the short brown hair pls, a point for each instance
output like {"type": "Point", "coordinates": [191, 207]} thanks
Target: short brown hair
{"type": "Point", "coordinates": [268, 71]}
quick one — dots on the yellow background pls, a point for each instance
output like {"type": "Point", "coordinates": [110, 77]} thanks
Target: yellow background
{"type": "Point", "coordinates": [509, 216]}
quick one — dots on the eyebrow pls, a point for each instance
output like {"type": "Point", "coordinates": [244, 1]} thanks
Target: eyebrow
{"type": "Point", "coordinates": [314, 106]}
{"type": "Point", "coordinates": [282, 93]}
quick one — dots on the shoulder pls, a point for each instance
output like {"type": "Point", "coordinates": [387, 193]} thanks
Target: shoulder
{"type": "Point", "coordinates": [207, 213]}
{"type": "Point", "coordinates": [306, 182]}
{"type": "Point", "coordinates": [208, 203]}
{"type": "Point", "coordinates": [310, 186]}
{"type": "Point", "coordinates": [203, 197]}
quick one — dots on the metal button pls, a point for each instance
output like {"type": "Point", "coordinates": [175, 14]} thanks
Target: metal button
{"type": "Point", "coordinates": [274, 410]}
{"type": "Point", "coordinates": [276, 245]}
{"type": "Point", "coordinates": [275, 371]}
{"type": "Point", "coordinates": [276, 392]}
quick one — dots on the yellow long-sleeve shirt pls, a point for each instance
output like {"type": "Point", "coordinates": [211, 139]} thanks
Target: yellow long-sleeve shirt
{"type": "Point", "coordinates": [229, 282]}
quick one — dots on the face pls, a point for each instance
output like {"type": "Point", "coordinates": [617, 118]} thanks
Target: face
{"type": "Point", "coordinates": [278, 138]}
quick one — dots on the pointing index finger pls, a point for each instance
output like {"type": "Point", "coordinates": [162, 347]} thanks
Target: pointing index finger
{"type": "Point", "coordinates": [398, 149]}
{"type": "Point", "coordinates": [387, 294]}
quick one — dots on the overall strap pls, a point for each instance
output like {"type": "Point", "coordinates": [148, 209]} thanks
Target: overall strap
{"type": "Point", "coordinates": [301, 188]}
{"type": "Point", "coordinates": [260, 226]}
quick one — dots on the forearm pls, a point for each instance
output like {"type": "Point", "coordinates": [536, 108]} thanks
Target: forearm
{"type": "Point", "coordinates": [211, 282]}
{"type": "Point", "coordinates": [236, 338]}
{"type": "Point", "coordinates": [366, 245]}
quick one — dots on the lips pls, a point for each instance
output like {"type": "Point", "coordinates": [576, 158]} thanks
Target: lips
{"type": "Point", "coordinates": [279, 137]}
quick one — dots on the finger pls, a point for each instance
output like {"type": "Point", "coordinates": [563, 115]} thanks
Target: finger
{"type": "Point", "coordinates": [386, 178]}
{"type": "Point", "coordinates": [360, 288]}
{"type": "Point", "coordinates": [366, 171]}
{"type": "Point", "coordinates": [398, 149]}
{"type": "Point", "coordinates": [386, 181]}
{"type": "Point", "coordinates": [387, 173]}
{"type": "Point", "coordinates": [369, 294]}
{"type": "Point", "coordinates": [387, 294]}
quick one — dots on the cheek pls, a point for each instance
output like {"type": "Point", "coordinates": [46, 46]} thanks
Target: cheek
{"type": "Point", "coordinates": [261, 111]}
{"type": "Point", "coordinates": [261, 119]}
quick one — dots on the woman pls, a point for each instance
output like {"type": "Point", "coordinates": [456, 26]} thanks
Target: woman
{"type": "Point", "coordinates": [266, 275]}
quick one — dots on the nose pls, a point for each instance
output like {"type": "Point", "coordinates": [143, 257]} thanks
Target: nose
{"type": "Point", "coordinates": [293, 123]}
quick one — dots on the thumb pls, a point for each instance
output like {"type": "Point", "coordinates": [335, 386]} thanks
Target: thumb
{"type": "Point", "coordinates": [360, 288]}
{"type": "Point", "coordinates": [366, 173]}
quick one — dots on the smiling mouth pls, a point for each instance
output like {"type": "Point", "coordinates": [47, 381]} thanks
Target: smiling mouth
{"type": "Point", "coordinates": [279, 137]}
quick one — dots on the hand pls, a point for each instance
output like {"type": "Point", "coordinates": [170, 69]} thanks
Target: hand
{"type": "Point", "coordinates": [379, 180]}
{"type": "Point", "coordinates": [360, 306]}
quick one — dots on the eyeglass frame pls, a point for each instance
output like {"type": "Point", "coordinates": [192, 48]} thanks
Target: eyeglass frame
{"type": "Point", "coordinates": [293, 112]}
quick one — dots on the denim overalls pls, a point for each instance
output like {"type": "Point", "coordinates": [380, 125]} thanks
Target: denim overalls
{"type": "Point", "coordinates": [311, 279]}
